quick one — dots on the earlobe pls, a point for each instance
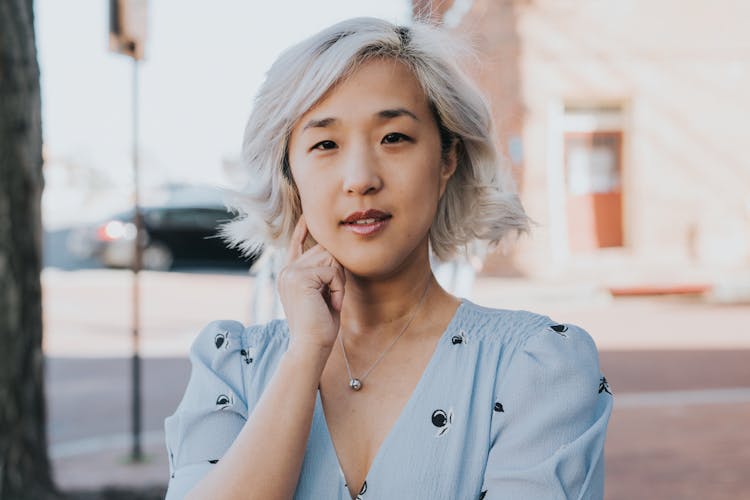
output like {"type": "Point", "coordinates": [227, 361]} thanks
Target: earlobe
{"type": "Point", "coordinates": [448, 166]}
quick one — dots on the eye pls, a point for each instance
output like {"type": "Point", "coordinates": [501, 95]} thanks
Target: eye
{"type": "Point", "coordinates": [395, 138]}
{"type": "Point", "coordinates": [323, 145]}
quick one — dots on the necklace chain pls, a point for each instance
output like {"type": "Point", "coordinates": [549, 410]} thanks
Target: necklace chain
{"type": "Point", "coordinates": [356, 383]}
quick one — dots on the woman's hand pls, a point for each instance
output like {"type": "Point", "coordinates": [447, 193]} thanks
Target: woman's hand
{"type": "Point", "coordinates": [311, 287]}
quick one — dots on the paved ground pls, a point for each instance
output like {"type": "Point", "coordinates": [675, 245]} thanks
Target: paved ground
{"type": "Point", "coordinates": [679, 368]}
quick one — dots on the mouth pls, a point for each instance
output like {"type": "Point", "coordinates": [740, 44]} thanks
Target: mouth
{"type": "Point", "coordinates": [367, 222]}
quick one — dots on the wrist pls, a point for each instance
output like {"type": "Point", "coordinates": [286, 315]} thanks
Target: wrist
{"type": "Point", "coordinates": [308, 353]}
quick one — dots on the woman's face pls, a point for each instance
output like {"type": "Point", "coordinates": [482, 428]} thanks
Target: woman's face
{"type": "Point", "coordinates": [367, 163]}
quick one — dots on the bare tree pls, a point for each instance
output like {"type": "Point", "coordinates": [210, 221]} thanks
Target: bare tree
{"type": "Point", "coordinates": [24, 464]}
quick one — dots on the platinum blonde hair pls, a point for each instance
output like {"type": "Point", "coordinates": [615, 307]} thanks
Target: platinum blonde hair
{"type": "Point", "coordinates": [480, 201]}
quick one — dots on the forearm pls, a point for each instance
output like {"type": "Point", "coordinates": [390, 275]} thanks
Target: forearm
{"type": "Point", "coordinates": [265, 460]}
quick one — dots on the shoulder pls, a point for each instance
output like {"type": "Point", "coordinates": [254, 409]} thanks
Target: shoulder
{"type": "Point", "coordinates": [528, 334]}
{"type": "Point", "coordinates": [218, 336]}
{"type": "Point", "coordinates": [516, 326]}
{"type": "Point", "coordinates": [562, 355]}
{"type": "Point", "coordinates": [226, 336]}
{"type": "Point", "coordinates": [220, 341]}
{"type": "Point", "coordinates": [543, 367]}
{"type": "Point", "coordinates": [222, 353]}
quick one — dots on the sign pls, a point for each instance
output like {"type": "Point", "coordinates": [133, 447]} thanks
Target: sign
{"type": "Point", "coordinates": [127, 27]}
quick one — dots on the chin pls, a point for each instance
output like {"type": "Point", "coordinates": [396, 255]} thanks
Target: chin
{"type": "Point", "coordinates": [373, 263]}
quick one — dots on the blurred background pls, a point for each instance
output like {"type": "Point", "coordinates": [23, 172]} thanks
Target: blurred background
{"type": "Point", "coordinates": [623, 121]}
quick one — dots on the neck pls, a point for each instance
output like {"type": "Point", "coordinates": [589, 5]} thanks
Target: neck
{"type": "Point", "coordinates": [377, 308]}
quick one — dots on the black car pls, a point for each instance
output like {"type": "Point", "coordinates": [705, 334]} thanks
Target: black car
{"type": "Point", "coordinates": [172, 235]}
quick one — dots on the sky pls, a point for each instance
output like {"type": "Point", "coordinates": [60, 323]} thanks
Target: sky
{"type": "Point", "coordinates": [204, 63]}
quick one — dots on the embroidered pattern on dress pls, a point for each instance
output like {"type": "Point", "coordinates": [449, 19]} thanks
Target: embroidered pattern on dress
{"type": "Point", "coordinates": [442, 420]}
{"type": "Point", "coordinates": [224, 401]}
{"type": "Point", "coordinates": [559, 329]}
{"type": "Point", "coordinates": [459, 339]}
{"type": "Point", "coordinates": [362, 490]}
{"type": "Point", "coordinates": [222, 339]}
{"type": "Point", "coordinates": [246, 356]}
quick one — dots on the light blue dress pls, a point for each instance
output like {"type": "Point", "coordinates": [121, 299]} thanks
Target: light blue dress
{"type": "Point", "coordinates": [512, 405]}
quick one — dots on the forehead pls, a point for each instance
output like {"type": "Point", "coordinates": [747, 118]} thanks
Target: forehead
{"type": "Point", "coordinates": [375, 85]}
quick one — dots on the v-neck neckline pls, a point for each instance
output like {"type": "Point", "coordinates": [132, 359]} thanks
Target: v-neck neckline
{"type": "Point", "coordinates": [406, 410]}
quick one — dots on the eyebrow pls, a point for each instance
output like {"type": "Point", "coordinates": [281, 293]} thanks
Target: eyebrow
{"type": "Point", "coordinates": [393, 113]}
{"type": "Point", "coordinates": [386, 114]}
{"type": "Point", "coordinates": [322, 123]}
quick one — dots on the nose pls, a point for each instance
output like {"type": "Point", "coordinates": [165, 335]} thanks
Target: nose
{"type": "Point", "coordinates": [361, 172]}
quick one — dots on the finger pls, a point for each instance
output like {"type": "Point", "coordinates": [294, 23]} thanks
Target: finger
{"type": "Point", "coordinates": [319, 256]}
{"type": "Point", "coordinates": [316, 256]}
{"type": "Point", "coordinates": [336, 288]}
{"type": "Point", "coordinates": [297, 239]}
{"type": "Point", "coordinates": [309, 241]}
{"type": "Point", "coordinates": [330, 280]}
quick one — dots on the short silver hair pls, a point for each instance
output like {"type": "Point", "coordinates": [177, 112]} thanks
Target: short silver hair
{"type": "Point", "coordinates": [480, 200]}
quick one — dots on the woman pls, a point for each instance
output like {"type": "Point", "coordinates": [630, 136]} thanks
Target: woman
{"type": "Point", "coordinates": [370, 148]}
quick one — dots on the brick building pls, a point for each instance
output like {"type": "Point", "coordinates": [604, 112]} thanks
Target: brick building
{"type": "Point", "coordinates": [625, 125]}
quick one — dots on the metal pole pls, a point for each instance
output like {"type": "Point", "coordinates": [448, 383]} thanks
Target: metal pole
{"type": "Point", "coordinates": [136, 454]}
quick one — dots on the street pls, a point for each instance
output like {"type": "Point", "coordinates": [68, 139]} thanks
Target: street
{"type": "Point", "coordinates": [678, 368]}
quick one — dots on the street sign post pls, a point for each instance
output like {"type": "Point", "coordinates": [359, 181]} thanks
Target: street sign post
{"type": "Point", "coordinates": [127, 36]}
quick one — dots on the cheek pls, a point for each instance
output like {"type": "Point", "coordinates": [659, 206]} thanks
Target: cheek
{"type": "Point", "coordinates": [306, 184]}
{"type": "Point", "coordinates": [316, 205]}
{"type": "Point", "coordinates": [418, 209]}
{"type": "Point", "coordinates": [422, 187]}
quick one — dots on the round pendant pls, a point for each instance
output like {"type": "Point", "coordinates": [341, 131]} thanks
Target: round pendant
{"type": "Point", "coordinates": [355, 384]}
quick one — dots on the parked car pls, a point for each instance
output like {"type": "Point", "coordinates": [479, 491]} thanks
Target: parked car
{"type": "Point", "coordinates": [171, 234]}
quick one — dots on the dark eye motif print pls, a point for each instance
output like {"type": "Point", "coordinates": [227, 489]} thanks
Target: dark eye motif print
{"type": "Point", "coordinates": [222, 339]}
{"type": "Point", "coordinates": [499, 407]}
{"type": "Point", "coordinates": [459, 339]}
{"type": "Point", "coordinates": [559, 329]}
{"type": "Point", "coordinates": [246, 356]}
{"type": "Point", "coordinates": [213, 462]}
{"type": "Point", "coordinates": [442, 421]}
{"type": "Point", "coordinates": [604, 386]}
{"type": "Point", "coordinates": [223, 402]}
{"type": "Point", "coordinates": [362, 491]}
{"type": "Point", "coordinates": [482, 494]}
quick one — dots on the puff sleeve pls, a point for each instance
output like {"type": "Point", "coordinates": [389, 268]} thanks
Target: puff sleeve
{"type": "Point", "coordinates": [549, 423]}
{"type": "Point", "coordinates": [213, 409]}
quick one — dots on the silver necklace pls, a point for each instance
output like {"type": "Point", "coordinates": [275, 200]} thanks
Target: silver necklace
{"type": "Point", "coordinates": [356, 383]}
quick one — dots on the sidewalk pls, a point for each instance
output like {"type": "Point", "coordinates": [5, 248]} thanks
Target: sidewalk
{"type": "Point", "coordinates": [111, 466]}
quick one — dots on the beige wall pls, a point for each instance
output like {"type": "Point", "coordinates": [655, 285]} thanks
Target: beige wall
{"type": "Point", "coordinates": [681, 72]}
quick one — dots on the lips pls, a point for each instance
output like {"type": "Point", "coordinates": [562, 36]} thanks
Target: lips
{"type": "Point", "coordinates": [366, 223]}
{"type": "Point", "coordinates": [366, 217]}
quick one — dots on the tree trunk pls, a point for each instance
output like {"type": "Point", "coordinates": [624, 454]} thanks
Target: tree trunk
{"type": "Point", "coordinates": [24, 464]}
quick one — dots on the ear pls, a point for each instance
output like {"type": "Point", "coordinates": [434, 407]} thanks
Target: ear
{"type": "Point", "coordinates": [448, 165]}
